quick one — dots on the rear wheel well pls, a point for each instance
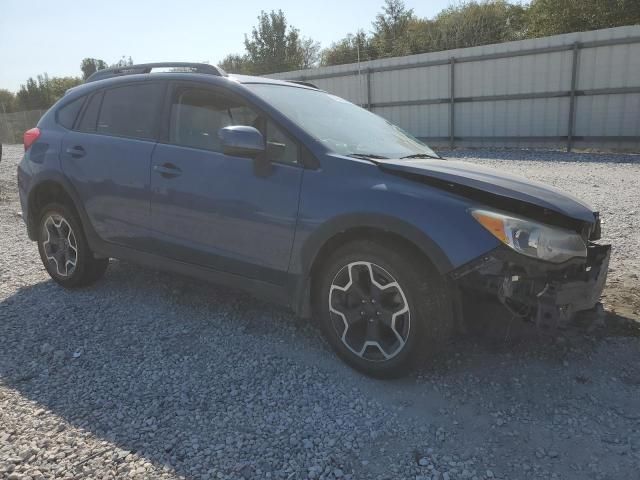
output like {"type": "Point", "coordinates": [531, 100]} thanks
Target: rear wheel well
{"type": "Point", "coordinates": [45, 193]}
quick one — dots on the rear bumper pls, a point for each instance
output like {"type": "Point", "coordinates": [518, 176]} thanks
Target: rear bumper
{"type": "Point", "coordinates": [541, 291]}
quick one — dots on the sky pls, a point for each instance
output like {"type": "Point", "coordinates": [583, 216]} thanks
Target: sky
{"type": "Point", "coordinates": [53, 36]}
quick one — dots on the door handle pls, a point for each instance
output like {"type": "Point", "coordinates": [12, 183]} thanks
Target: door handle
{"type": "Point", "coordinates": [76, 152]}
{"type": "Point", "coordinates": [167, 170]}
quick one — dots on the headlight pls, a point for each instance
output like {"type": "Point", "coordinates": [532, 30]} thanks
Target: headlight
{"type": "Point", "coordinates": [533, 239]}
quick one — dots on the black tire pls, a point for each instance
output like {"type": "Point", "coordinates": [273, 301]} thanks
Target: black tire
{"type": "Point", "coordinates": [87, 268]}
{"type": "Point", "coordinates": [429, 315]}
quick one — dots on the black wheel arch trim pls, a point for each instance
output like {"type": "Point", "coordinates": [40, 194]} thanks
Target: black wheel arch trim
{"type": "Point", "coordinates": [58, 178]}
{"type": "Point", "coordinates": [343, 224]}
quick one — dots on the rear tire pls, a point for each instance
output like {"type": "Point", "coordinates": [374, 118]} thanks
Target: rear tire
{"type": "Point", "coordinates": [64, 249]}
{"type": "Point", "coordinates": [382, 309]}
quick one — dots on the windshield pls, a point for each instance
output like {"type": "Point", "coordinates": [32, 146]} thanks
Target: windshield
{"type": "Point", "coordinates": [340, 125]}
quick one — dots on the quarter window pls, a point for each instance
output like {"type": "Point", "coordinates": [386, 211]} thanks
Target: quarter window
{"type": "Point", "coordinates": [130, 111]}
{"type": "Point", "coordinates": [67, 114]}
{"type": "Point", "coordinates": [90, 116]}
{"type": "Point", "coordinates": [198, 114]}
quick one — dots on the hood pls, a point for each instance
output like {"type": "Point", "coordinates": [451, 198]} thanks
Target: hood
{"type": "Point", "coordinates": [477, 179]}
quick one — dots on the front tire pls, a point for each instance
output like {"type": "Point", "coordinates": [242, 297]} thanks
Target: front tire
{"type": "Point", "coordinates": [381, 308]}
{"type": "Point", "coordinates": [64, 250]}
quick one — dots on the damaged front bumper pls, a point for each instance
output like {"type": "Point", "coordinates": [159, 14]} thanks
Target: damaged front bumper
{"type": "Point", "coordinates": [541, 291]}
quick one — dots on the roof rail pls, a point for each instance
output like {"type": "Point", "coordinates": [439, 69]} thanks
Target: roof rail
{"type": "Point", "coordinates": [181, 67]}
{"type": "Point", "coordinates": [306, 84]}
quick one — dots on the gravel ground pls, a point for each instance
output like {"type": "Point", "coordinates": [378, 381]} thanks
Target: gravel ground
{"type": "Point", "coordinates": [151, 375]}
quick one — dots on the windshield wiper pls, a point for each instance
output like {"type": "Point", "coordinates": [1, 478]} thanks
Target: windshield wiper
{"type": "Point", "coordinates": [422, 155]}
{"type": "Point", "coordinates": [367, 156]}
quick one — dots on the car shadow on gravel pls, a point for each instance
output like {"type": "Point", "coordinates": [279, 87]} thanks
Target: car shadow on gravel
{"type": "Point", "coordinates": [131, 360]}
{"type": "Point", "coordinates": [490, 330]}
{"type": "Point", "coordinates": [156, 364]}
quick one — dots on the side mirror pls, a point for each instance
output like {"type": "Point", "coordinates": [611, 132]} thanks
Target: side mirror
{"type": "Point", "coordinates": [242, 141]}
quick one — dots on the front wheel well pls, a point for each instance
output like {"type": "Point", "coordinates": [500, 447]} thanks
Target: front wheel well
{"type": "Point", "coordinates": [384, 237]}
{"type": "Point", "coordinates": [43, 194]}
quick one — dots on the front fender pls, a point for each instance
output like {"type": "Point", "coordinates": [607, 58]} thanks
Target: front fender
{"type": "Point", "coordinates": [386, 223]}
{"type": "Point", "coordinates": [349, 194]}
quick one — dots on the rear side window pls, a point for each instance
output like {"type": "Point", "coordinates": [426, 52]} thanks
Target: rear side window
{"type": "Point", "coordinates": [67, 115]}
{"type": "Point", "coordinates": [130, 111]}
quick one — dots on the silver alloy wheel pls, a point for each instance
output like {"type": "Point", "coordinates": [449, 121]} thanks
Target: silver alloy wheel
{"type": "Point", "coordinates": [60, 245]}
{"type": "Point", "coordinates": [369, 311]}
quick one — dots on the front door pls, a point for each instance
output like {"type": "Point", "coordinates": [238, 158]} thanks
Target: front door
{"type": "Point", "coordinates": [213, 209]}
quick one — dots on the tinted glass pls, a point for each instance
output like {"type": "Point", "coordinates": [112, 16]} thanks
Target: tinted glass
{"type": "Point", "coordinates": [280, 147]}
{"type": "Point", "coordinates": [67, 114]}
{"type": "Point", "coordinates": [130, 111]}
{"type": "Point", "coordinates": [198, 114]}
{"type": "Point", "coordinates": [90, 116]}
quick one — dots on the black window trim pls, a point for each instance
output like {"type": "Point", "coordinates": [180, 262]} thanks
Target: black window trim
{"type": "Point", "coordinates": [174, 85]}
{"type": "Point", "coordinates": [85, 107]}
{"type": "Point", "coordinates": [75, 121]}
{"type": "Point", "coordinates": [157, 113]}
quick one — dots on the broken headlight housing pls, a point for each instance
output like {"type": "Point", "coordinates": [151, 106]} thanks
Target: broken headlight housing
{"type": "Point", "coordinates": [537, 240]}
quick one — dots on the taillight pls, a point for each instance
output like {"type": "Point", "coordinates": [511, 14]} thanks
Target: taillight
{"type": "Point", "coordinates": [30, 136]}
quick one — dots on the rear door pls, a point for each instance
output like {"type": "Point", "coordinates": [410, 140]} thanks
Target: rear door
{"type": "Point", "coordinates": [107, 157]}
{"type": "Point", "coordinates": [214, 209]}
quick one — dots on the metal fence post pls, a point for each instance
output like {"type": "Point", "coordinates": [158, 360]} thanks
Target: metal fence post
{"type": "Point", "coordinates": [452, 108]}
{"type": "Point", "coordinates": [572, 96]}
{"type": "Point", "coordinates": [6, 122]}
{"type": "Point", "coordinates": [369, 89]}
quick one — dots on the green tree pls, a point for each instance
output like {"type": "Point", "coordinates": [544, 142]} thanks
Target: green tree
{"type": "Point", "coordinates": [89, 66]}
{"type": "Point", "coordinates": [471, 24]}
{"type": "Point", "coordinates": [59, 85]}
{"type": "Point", "coordinates": [42, 92]}
{"type": "Point", "coordinates": [7, 101]}
{"type": "Point", "coordinates": [234, 63]}
{"type": "Point", "coordinates": [34, 94]}
{"type": "Point", "coordinates": [275, 46]}
{"type": "Point", "coordinates": [396, 31]}
{"type": "Point", "coordinates": [552, 17]}
{"type": "Point", "coordinates": [123, 62]}
{"type": "Point", "coordinates": [310, 53]}
{"type": "Point", "coordinates": [392, 35]}
{"type": "Point", "coordinates": [347, 50]}
{"type": "Point", "coordinates": [391, 27]}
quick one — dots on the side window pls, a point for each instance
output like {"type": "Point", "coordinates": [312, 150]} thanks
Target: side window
{"type": "Point", "coordinates": [89, 118]}
{"type": "Point", "coordinates": [197, 114]}
{"type": "Point", "coordinates": [130, 111]}
{"type": "Point", "coordinates": [280, 147]}
{"type": "Point", "coordinates": [67, 115]}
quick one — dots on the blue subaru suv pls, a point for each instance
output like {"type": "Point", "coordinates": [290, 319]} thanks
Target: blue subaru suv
{"type": "Point", "coordinates": [302, 198]}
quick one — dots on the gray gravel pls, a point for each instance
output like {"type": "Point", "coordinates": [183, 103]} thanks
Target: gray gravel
{"type": "Point", "coordinates": [151, 375]}
{"type": "Point", "coordinates": [609, 183]}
